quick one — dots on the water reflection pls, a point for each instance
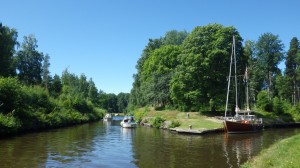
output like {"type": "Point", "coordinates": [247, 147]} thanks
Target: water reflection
{"type": "Point", "coordinates": [238, 148]}
{"type": "Point", "coordinates": [106, 144]}
{"type": "Point", "coordinates": [218, 150]}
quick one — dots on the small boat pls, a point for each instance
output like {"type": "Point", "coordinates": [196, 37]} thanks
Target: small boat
{"type": "Point", "coordinates": [128, 122]}
{"type": "Point", "coordinates": [107, 117]}
{"type": "Point", "coordinates": [242, 122]}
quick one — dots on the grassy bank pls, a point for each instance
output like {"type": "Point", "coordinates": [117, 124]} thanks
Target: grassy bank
{"type": "Point", "coordinates": [178, 119]}
{"type": "Point", "coordinates": [284, 153]}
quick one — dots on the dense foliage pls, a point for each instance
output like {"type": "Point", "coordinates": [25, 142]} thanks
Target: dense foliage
{"type": "Point", "coordinates": [190, 73]}
{"type": "Point", "coordinates": [31, 99]}
{"type": "Point", "coordinates": [181, 74]}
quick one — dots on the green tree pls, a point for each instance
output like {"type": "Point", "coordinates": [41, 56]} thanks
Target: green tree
{"type": "Point", "coordinates": [83, 85]}
{"type": "Point", "coordinates": [263, 101]}
{"type": "Point", "coordinates": [46, 73]}
{"type": "Point", "coordinates": [10, 95]}
{"type": "Point", "coordinates": [157, 74]}
{"type": "Point", "coordinates": [282, 87]}
{"type": "Point", "coordinates": [292, 63]}
{"type": "Point", "coordinates": [123, 99]}
{"type": "Point", "coordinates": [203, 68]}
{"type": "Point", "coordinates": [92, 92]}
{"type": "Point", "coordinates": [109, 102]}
{"type": "Point", "coordinates": [70, 83]}
{"type": "Point", "coordinates": [56, 86]}
{"type": "Point", "coordinates": [174, 37]}
{"type": "Point", "coordinates": [8, 41]}
{"type": "Point", "coordinates": [256, 77]}
{"type": "Point", "coordinates": [140, 90]}
{"type": "Point", "coordinates": [29, 61]}
{"type": "Point", "coordinates": [269, 55]}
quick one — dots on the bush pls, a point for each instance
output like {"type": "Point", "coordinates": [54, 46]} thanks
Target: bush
{"type": "Point", "coordinates": [8, 124]}
{"type": "Point", "coordinates": [295, 112]}
{"type": "Point", "coordinates": [80, 104]}
{"type": "Point", "coordinates": [157, 122]}
{"type": "Point", "coordinates": [174, 124]}
{"type": "Point", "coordinates": [38, 98]}
{"type": "Point", "coordinates": [138, 115]}
{"type": "Point", "coordinates": [263, 101]}
{"type": "Point", "coordinates": [10, 95]}
{"type": "Point", "coordinates": [277, 105]}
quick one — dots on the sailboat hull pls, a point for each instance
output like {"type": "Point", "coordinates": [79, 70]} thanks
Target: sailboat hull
{"type": "Point", "coordinates": [235, 127]}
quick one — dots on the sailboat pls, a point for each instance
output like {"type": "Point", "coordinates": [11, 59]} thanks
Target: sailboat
{"type": "Point", "coordinates": [243, 121]}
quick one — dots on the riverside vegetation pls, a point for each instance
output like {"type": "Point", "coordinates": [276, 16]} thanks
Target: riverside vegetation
{"type": "Point", "coordinates": [31, 99]}
{"type": "Point", "coordinates": [180, 71]}
{"type": "Point", "coordinates": [284, 153]}
{"type": "Point", "coordinates": [176, 119]}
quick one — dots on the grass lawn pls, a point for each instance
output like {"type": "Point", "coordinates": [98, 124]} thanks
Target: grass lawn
{"type": "Point", "coordinates": [195, 119]}
{"type": "Point", "coordinates": [285, 153]}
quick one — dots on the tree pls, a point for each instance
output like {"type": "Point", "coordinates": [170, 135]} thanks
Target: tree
{"type": "Point", "coordinates": [29, 62]}
{"type": "Point", "coordinates": [83, 86]}
{"type": "Point", "coordinates": [139, 89]}
{"type": "Point", "coordinates": [256, 77]}
{"type": "Point", "coordinates": [46, 73]}
{"type": "Point", "coordinates": [292, 63]}
{"type": "Point", "coordinates": [123, 99]}
{"type": "Point", "coordinates": [108, 102]}
{"type": "Point", "coordinates": [10, 95]}
{"type": "Point", "coordinates": [282, 87]}
{"type": "Point", "coordinates": [269, 55]}
{"type": "Point", "coordinates": [174, 37]}
{"type": "Point", "coordinates": [204, 61]}
{"type": "Point", "coordinates": [8, 41]}
{"type": "Point", "coordinates": [157, 73]}
{"type": "Point", "coordinates": [56, 86]}
{"type": "Point", "coordinates": [92, 91]}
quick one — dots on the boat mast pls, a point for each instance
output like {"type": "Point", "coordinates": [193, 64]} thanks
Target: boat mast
{"type": "Point", "coordinates": [235, 79]}
{"type": "Point", "coordinates": [229, 77]}
{"type": "Point", "coordinates": [247, 90]}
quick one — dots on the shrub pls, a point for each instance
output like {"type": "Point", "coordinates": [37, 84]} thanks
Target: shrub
{"type": "Point", "coordinates": [174, 124]}
{"type": "Point", "coordinates": [8, 124]}
{"type": "Point", "coordinates": [38, 98]}
{"type": "Point", "coordinates": [138, 115]}
{"type": "Point", "coordinates": [10, 95]}
{"type": "Point", "coordinates": [295, 112]}
{"type": "Point", "coordinates": [277, 106]}
{"type": "Point", "coordinates": [263, 101]}
{"type": "Point", "coordinates": [157, 122]}
{"type": "Point", "coordinates": [80, 104]}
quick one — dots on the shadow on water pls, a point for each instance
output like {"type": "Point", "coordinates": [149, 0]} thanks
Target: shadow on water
{"type": "Point", "coordinates": [106, 144]}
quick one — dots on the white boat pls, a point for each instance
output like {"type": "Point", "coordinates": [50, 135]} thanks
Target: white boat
{"type": "Point", "coordinates": [128, 122]}
{"type": "Point", "coordinates": [107, 117]}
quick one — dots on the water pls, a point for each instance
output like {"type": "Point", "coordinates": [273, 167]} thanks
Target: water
{"type": "Point", "coordinates": [106, 144]}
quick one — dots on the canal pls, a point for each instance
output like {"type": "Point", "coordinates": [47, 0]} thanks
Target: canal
{"type": "Point", "coordinates": [106, 144]}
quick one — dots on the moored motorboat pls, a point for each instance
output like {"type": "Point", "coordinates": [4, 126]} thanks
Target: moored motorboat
{"type": "Point", "coordinates": [107, 117]}
{"type": "Point", "coordinates": [128, 122]}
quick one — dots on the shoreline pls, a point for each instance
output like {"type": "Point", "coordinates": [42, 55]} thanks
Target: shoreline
{"type": "Point", "coordinates": [204, 131]}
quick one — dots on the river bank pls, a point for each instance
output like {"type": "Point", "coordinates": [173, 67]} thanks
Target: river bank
{"type": "Point", "coordinates": [284, 153]}
{"type": "Point", "coordinates": [199, 122]}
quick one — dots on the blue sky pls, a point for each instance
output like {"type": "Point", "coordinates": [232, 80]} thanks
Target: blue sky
{"type": "Point", "coordinates": [103, 39]}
